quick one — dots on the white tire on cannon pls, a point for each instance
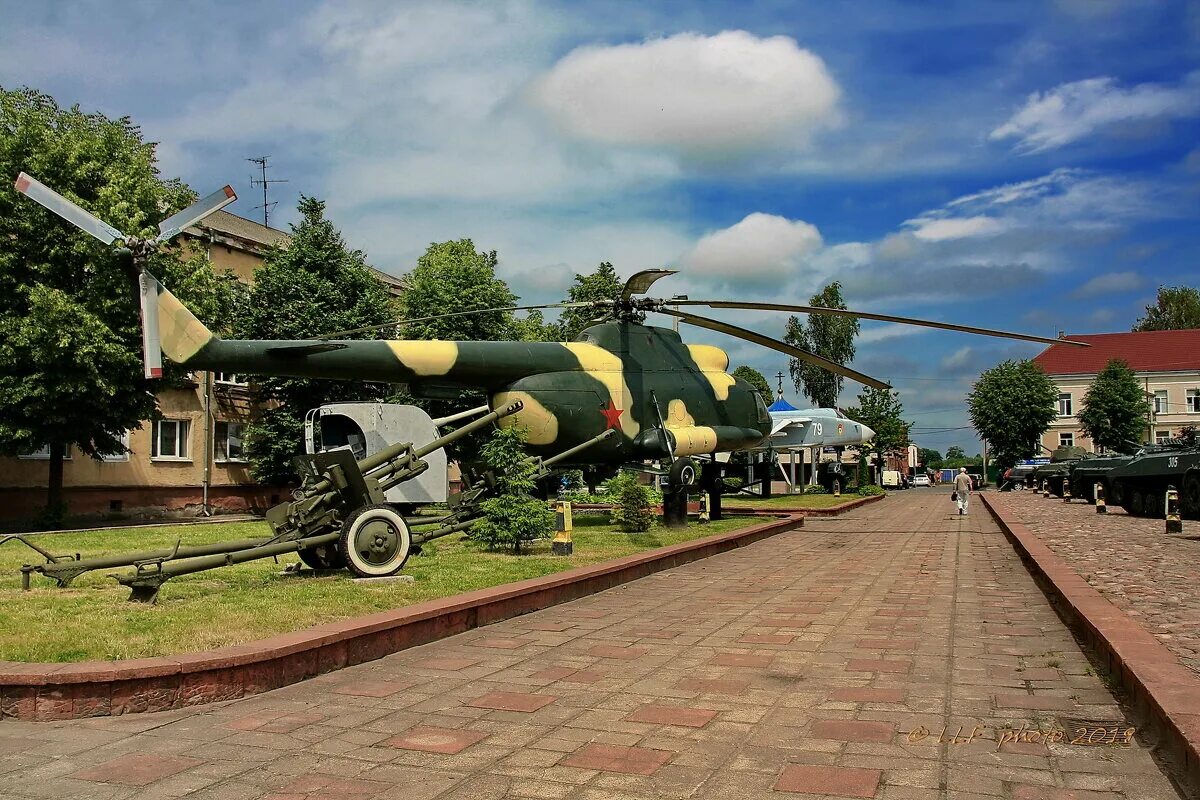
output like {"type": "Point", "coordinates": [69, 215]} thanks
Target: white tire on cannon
{"type": "Point", "coordinates": [375, 541]}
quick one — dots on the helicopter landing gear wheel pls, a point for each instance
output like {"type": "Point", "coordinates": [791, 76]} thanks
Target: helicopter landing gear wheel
{"type": "Point", "coordinates": [326, 556]}
{"type": "Point", "coordinates": [376, 541]}
{"type": "Point", "coordinates": [683, 473]}
{"type": "Point", "coordinates": [1189, 499]}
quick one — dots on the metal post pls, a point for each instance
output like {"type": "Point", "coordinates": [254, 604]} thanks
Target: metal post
{"type": "Point", "coordinates": [704, 507]}
{"type": "Point", "coordinates": [837, 488]}
{"type": "Point", "coordinates": [1045, 487]}
{"type": "Point", "coordinates": [564, 524]}
{"type": "Point", "coordinates": [1066, 490]}
{"type": "Point", "coordinates": [1174, 522]}
{"type": "Point", "coordinates": [1100, 507]}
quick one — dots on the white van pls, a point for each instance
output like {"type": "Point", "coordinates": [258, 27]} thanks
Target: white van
{"type": "Point", "coordinates": [892, 479]}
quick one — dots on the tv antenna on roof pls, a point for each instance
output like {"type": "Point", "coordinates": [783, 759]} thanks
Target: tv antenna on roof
{"type": "Point", "coordinates": [265, 183]}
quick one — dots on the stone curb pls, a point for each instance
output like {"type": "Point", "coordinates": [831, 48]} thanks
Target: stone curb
{"type": "Point", "coordinates": [831, 511]}
{"type": "Point", "coordinates": [32, 691]}
{"type": "Point", "coordinates": [1158, 684]}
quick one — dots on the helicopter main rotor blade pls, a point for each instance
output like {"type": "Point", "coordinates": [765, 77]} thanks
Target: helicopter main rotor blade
{"type": "Point", "coordinates": [640, 282]}
{"type": "Point", "coordinates": [182, 220]}
{"type": "Point", "coordinates": [949, 326]}
{"type": "Point", "coordinates": [368, 328]}
{"type": "Point", "coordinates": [775, 344]}
{"type": "Point", "coordinates": [85, 221]}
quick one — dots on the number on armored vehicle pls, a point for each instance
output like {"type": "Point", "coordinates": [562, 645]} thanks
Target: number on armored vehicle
{"type": "Point", "coordinates": [1173, 462]}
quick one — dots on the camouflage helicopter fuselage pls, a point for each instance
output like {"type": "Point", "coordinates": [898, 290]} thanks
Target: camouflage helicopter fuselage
{"type": "Point", "coordinates": [638, 379]}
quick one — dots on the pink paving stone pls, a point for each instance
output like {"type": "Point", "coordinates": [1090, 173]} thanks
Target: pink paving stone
{"type": "Point", "coordinates": [315, 785]}
{"type": "Point", "coordinates": [429, 739]}
{"type": "Point", "coordinates": [742, 660]}
{"type": "Point", "coordinates": [451, 664]}
{"type": "Point", "coordinates": [713, 686]}
{"type": "Point", "coordinates": [672, 715]}
{"type": "Point", "coordinates": [585, 676]}
{"type": "Point", "coordinates": [844, 730]}
{"type": "Point", "coordinates": [1034, 702]}
{"type": "Point", "coordinates": [512, 701]}
{"type": "Point", "coordinates": [500, 644]}
{"type": "Point", "coordinates": [371, 688]}
{"type": "Point", "coordinates": [617, 758]}
{"type": "Point", "coordinates": [767, 638]}
{"type": "Point", "coordinates": [841, 781]}
{"type": "Point", "coordinates": [867, 694]}
{"type": "Point", "coordinates": [877, 665]}
{"type": "Point", "coordinates": [137, 769]}
{"type": "Point", "coordinates": [554, 673]}
{"type": "Point", "coordinates": [616, 651]}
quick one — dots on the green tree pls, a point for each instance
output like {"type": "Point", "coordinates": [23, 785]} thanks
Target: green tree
{"type": "Point", "coordinates": [827, 335]}
{"type": "Point", "coordinates": [881, 410]}
{"type": "Point", "coordinates": [513, 517]}
{"type": "Point", "coordinates": [955, 453]}
{"type": "Point", "coordinates": [71, 369]}
{"type": "Point", "coordinates": [454, 276]}
{"type": "Point", "coordinates": [312, 285]}
{"type": "Point", "coordinates": [1177, 308]}
{"type": "Point", "coordinates": [755, 378]}
{"type": "Point", "coordinates": [1011, 406]}
{"type": "Point", "coordinates": [929, 458]}
{"type": "Point", "coordinates": [1115, 409]}
{"type": "Point", "coordinates": [601, 285]}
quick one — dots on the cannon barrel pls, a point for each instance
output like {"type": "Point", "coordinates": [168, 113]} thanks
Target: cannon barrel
{"type": "Point", "coordinates": [565, 454]}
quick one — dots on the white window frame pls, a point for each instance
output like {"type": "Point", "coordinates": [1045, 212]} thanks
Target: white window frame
{"type": "Point", "coordinates": [217, 437]}
{"type": "Point", "coordinates": [1070, 405]}
{"type": "Point", "coordinates": [181, 438]}
{"type": "Point", "coordinates": [229, 379]}
{"type": "Point", "coordinates": [1163, 406]}
{"type": "Point", "coordinates": [43, 454]}
{"type": "Point", "coordinates": [1161, 436]}
{"type": "Point", "coordinates": [122, 456]}
{"type": "Point", "coordinates": [1193, 401]}
{"type": "Point", "coordinates": [1064, 436]}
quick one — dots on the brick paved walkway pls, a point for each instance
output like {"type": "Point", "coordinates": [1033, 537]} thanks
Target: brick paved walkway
{"type": "Point", "coordinates": [1130, 560]}
{"type": "Point", "coordinates": [826, 661]}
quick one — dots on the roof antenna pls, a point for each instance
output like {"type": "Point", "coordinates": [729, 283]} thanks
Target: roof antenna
{"type": "Point", "coordinates": [264, 182]}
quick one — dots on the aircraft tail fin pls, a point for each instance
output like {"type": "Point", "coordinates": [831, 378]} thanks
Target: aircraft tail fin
{"type": "Point", "coordinates": [168, 327]}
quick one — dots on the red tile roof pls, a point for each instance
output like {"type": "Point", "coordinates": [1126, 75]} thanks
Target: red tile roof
{"type": "Point", "coordinates": [1148, 351]}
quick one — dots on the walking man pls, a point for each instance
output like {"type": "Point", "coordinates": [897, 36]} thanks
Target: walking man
{"type": "Point", "coordinates": [962, 485]}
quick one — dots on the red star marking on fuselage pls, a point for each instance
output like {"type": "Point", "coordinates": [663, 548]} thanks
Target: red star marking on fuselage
{"type": "Point", "coordinates": [612, 415]}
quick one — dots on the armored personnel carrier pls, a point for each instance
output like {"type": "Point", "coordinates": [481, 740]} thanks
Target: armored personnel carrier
{"type": "Point", "coordinates": [1142, 483]}
{"type": "Point", "coordinates": [1056, 471]}
{"type": "Point", "coordinates": [1087, 472]}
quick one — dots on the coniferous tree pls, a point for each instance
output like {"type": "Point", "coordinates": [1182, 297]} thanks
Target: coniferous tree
{"type": "Point", "coordinates": [1115, 409]}
{"type": "Point", "coordinates": [514, 517]}
{"type": "Point", "coordinates": [313, 285]}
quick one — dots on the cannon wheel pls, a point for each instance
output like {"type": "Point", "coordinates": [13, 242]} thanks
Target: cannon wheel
{"type": "Point", "coordinates": [326, 556]}
{"type": "Point", "coordinates": [375, 541]}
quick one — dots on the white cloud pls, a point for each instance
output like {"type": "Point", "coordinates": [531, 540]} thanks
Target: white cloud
{"type": "Point", "coordinates": [1111, 283]}
{"type": "Point", "coordinates": [937, 230]}
{"type": "Point", "coordinates": [761, 246]}
{"type": "Point", "coordinates": [691, 94]}
{"type": "Point", "coordinates": [1073, 111]}
{"type": "Point", "coordinates": [961, 358]}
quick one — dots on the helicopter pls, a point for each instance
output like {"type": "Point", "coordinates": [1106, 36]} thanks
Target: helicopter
{"type": "Point", "coordinates": [668, 400]}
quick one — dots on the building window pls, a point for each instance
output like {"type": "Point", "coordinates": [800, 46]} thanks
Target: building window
{"type": "Point", "coordinates": [1064, 405]}
{"type": "Point", "coordinates": [230, 379]}
{"type": "Point", "coordinates": [43, 453]}
{"type": "Point", "coordinates": [1160, 402]}
{"type": "Point", "coordinates": [1066, 439]}
{"type": "Point", "coordinates": [1161, 436]}
{"type": "Point", "coordinates": [227, 442]}
{"type": "Point", "coordinates": [171, 440]}
{"type": "Point", "coordinates": [1193, 401]}
{"type": "Point", "coordinates": [124, 454]}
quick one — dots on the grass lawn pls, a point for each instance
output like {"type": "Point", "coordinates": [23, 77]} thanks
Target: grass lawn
{"type": "Point", "coordinates": [790, 501]}
{"type": "Point", "coordinates": [94, 620]}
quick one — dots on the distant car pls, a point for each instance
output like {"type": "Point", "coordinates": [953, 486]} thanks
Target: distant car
{"type": "Point", "coordinates": [921, 480]}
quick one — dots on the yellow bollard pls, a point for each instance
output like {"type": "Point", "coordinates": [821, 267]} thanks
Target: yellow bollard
{"type": "Point", "coordinates": [704, 515]}
{"type": "Point", "coordinates": [1066, 490]}
{"type": "Point", "coordinates": [1100, 507]}
{"type": "Point", "coordinates": [837, 488]}
{"type": "Point", "coordinates": [1045, 487]}
{"type": "Point", "coordinates": [563, 525]}
{"type": "Point", "coordinates": [1174, 522]}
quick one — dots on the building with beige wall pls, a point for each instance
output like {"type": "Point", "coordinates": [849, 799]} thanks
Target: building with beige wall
{"type": "Point", "coordinates": [1167, 364]}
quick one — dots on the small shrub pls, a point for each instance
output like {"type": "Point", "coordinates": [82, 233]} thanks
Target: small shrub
{"type": "Point", "coordinates": [816, 489]}
{"type": "Point", "coordinates": [513, 517]}
{"type": "Point", "coordinates": [870, 490]}
{"type": "Point", "coordinates": [631, 504]}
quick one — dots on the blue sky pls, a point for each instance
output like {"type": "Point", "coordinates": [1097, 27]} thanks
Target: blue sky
{"type": "Point", "coordinates": [1031, 166]}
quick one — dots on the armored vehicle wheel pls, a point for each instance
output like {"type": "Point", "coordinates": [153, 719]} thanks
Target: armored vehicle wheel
{"type": "Point", "coordinates": [327, 556]}
{"type": "Point", "coordinates": [683, 472]}
{"type": "Point", "coordinates": [1114, 493]}
{"type": "Point", "coordinates": [1189, 499]}
{"type": "Point", "coordinates": [1137, 503]}
{"type": "Point", "coordinates": [375, 541]}
{"type": "Point", "coordinates": [1153, 505]}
